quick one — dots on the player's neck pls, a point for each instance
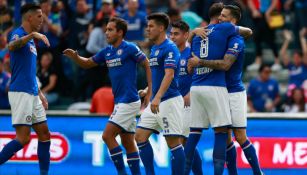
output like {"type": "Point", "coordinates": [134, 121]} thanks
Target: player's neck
{"type": "Point", "coordinates": [117, 43]}
{"type": "Point", "coordinates": [160, 39]}
{"type": "Point", "coordinates": [181, 47]}
{"type": "Point", "coordinates": [132, 13]}
{"type": "Point", "coordinates": [214, 21]}
{"type": "Point", "coordinates": [26, 27]}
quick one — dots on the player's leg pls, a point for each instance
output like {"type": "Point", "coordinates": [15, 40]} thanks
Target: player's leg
{"type": "Point", "coordinates": [22, 138]}
{"type": "Point", "coordinates": [146, 126]}
{"type": "Point", "coordinates": [116, 153]}
{"type": "Point", "coordinates": [248, 149]}
{"type": "Point", "coordinates": [231, 155]}
{"type": "Point", "coordinates": [43, 148]}
{"type": "Point", "coordinates": [198, 122]}
{"type": "Point", "coordinates": [21, 107]}
{"type": "Point", "coordinates": [217, 105]}
{"type": "Point", "coordinates": [133, 158]}
{"type": "Point", "coordinates": [41, 128]}
{"type": "Point", "coordinates": [197, 162]}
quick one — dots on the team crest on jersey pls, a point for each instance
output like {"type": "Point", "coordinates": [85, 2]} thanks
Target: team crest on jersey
{"type": "Point", "coordinates": [28, 118]}
{"type": "Point", "coordinates": [33, 49]}
{"type": "Point", "coordinates": [182, 62]}
{"type": "Point", "coordinates": [108, 54]}
{"type": "Point", "coordinates": [157, 53]}
{"type": "Point", "coordinates": [119, 52]}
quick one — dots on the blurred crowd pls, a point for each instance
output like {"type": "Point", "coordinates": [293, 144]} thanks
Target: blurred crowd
{"type": "Point", "coordinates": [278, 25]}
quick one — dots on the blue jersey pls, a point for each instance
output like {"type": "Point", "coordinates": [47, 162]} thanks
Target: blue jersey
{"type": "Point", "coordinates": [23, 65]}
{"type": "Point", "coordinates": [122, 65]}
{"type": "Point", "coordinates": [260, 92]}
{"type": "Point", "coordinates": [185, 79]}
{"type": "Point", "coordinates": [136, 25]}
{"type": "Point", "coordinates": [233, 75]}
{"type": "Point", "coordinates": [164, 56]}
{"type": "Point", "coordinates": [212, 48]}
{"type": "Point", "coordinates": [297, 74]}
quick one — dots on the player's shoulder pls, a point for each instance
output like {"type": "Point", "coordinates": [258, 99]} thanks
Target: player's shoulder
{"type": "Point", "coordinates": [17, 33]}
{"type": "Point", "coordinates": [169, 44]}
{"type": "Point", "coordinates": [224, 25]}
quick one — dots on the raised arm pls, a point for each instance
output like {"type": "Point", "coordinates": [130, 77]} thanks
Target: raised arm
{"type": "Point", "coordinates": [283, 51]}
{"type": "Point", "coordinates": [83, 62]}
{"type": "Point", "coordinates": [18, 43]}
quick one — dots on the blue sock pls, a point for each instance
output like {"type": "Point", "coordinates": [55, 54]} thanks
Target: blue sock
{"type": "Point", "coordinates": [133, 160]}
{"type": "Point", "coordinates": [190, 147]}
{"type": "Point", "coordinates": [250, 154]}
{"type": "Point", "coordinates": [9, 150]}
{"type": "Point", "coordinates": [178, 160]}
{"type": "Point", "coordinates": [231, 159]}
{"type": "Point", "coordinates": [117, 157]}
{"type": "Point", "coordinates": [43, 153]}
{"type": "Point", "coordinates": [197, 168]}
{"type": "Point", "coordinates": [219, 152]}
{"type": "Point", "coordinates": [147, 157]}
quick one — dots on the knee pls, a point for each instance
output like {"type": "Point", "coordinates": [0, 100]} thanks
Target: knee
{"type": "Point", "coordinates": [24, 140]}
{"type": "Point", "coordinates": [105, 137]}
{"type": "Point", "coordinates": [140, 138]}
{"type": "Point", "coordinates": [240, 138]}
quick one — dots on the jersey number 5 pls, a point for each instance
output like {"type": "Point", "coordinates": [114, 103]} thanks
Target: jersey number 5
{"type": "Point", "coordinates": [204, 45]}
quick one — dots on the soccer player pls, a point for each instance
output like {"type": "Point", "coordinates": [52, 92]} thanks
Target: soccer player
{"type": "Point", "coordinates": [28, 104]}
{"type": "Point", "coordinates": [209, 96]}
{"type": "Point", "coordinates": [166, 106]}
{"type": "Point", "coordinates": [179, 35]}
{"type": "Point", "coordinates": [121, 58]}
{"type": "Point", "coordinates": [233, 64]}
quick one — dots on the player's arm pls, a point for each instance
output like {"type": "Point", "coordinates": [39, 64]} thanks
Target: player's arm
{"type": "Point", "coordinates": [43, 99]}
{"type": "Point", "coordinates": [18, 43]}
{"type": "Point", "coordinates": [146, 66]}
{"type": "Point", "coordinates": [245, 32]}
{"type": "Point", "coordinates": [83, 62]}
{"type": "Point", "coordinates": [283, 51]}
{"type": "Point", "coordinates": [166, 82]}
{"type": "Point", "coordinates": [224, 64]}
{"type": "Point", "coordinates": [303, 41]}
{"type": "Point", "coordinates": [200, 31]}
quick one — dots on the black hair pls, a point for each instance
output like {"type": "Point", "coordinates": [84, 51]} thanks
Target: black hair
{"type": "Point", "coordinates": [263, 66]}
{"type": "Point", "coordinates": [183, 26]}
{"type": "Point", "coordinates": [215, 10]}
{"type": "Point", "coordinates": [29, 7]}
{"type": "Point", "coordinates": [235, 11]}
{"type": "Point", "coordinates": [160, 18]}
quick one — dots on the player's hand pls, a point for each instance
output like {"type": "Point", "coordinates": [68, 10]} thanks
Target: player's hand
{"type": "Point", "coordinates": [142, 93]}
{"type": "Point", "coordinates": [193, 61]}
{"type": "Point", "coordinates": [155, 105]}
{"type": "Point", "coordinates": [146, 99]}
{"type": "Point", "coordinates": [70, 53]}
{"type": "Point", "coordinates": [186, 100]}
{"type": "Point", "coordinates": [44, 100]}
{"type": "Point", "coordinates": [41, 37]}
{"type": "Point", "coordinates": [202, 32]}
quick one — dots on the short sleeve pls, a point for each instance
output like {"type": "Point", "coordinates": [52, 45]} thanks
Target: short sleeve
{"type": "Point", "coordinates": [99, 58]}
{"type": "Point", "coordinates": [235, 46]}
{"type": "Point", "coordinates": [14, 37]}
{"type": "Point", "coordinates": [136, 53]}
{"type": "Point", "coordinates": [171, 57]}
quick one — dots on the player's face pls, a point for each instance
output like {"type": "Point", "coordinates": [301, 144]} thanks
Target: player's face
{"type": "Point", "coordinates": [177, 36]}
{"type": "Point", "coordinates": [112, 33]}
{"type": "Point", "coordinates": [36, 20]}
{"type": "Point", "coordinates": [153, 30]}
{"type": "Point", "coordinates": [225, 16]}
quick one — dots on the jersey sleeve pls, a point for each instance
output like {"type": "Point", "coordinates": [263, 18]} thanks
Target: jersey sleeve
{"type": "Point", "coordinates": [171, 58]}
{"type": "Point", "coordinates": [99, 58]}
{"type": "Point", "coordinates": [235, 46]}
{"type": "Point", "coordinates": [136, 53]}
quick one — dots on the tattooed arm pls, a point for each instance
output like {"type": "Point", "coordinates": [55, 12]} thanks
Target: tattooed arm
{"type": "Point", "coordinates": [20, 42]}
{"type": "Point", "coordinates": [224, 64]}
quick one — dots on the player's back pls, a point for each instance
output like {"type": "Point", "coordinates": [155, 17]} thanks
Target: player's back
{"type": "Point", "coordinates": [165, 55]}
{"type": "Point", "coordinates": [234, 74]}
{"type": "Point", "coordinates": [23, 65]}
{"type": "Point", "coordinates": [212, 48]}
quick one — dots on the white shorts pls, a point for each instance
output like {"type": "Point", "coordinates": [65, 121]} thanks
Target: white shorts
{"type": "Point", "coordinates": [26, 109]}
{"type": "Point", "coordinates": [124, 115]}
{"type": "Point", "coordinates": [168, 119]}
{"type": "Point", "coordinates": [238, 109]}
{"type": "Point", "coordinates": [186, 120]}
{"type": "Point", "coordinates": [210, 106]}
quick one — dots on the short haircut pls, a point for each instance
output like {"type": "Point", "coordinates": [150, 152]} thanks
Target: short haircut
{"type": "Point", "coordinates": [235, 11]}
{"type": "Point", "coordinates": [44, 1]}
{"type": "Point", "coordinates": [29, 7]}
{"type": "Point", "coordinates": [160, 18]}
{"type": "Point", "coordinates": [215, 10]}
{"type": "Point", "coordinates": [263, 66]}
{"type": "Point", "coordinates": [183, 26]}
{"type": "Point", "coordinates": [120, 24]}
{"type": "Point", "coordinates": [173, 12]}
